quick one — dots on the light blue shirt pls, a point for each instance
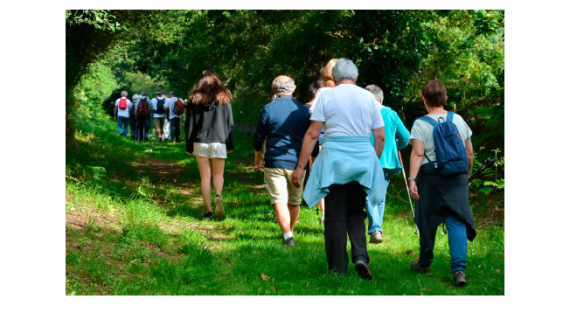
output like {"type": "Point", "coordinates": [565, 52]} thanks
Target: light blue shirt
{"type": "Point", "coordinates": [170, 105]}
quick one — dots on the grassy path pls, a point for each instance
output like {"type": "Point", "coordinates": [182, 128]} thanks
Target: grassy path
{"type": "Point", "coordinates": [133, 228]}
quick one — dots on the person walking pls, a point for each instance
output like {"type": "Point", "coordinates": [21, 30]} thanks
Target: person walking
{"type": "Point", "coordinates": [143, 111]}
{"type": "Point", "coordinates": [158, 104]}
{"type": "Point", "coordinates": [172, 117]}
{"type": "Point", "coordinates": [347, 169]}
{"type": "Point", "coordinates": [439, 185]}
{"type": "Point", "coordinates": [283, 123]}
{"type": "Point", "coordinates": [122, 108]}
{"type": "Point", "coordinates": [133, 118]}
{"type": "Point", "coordinates": [210, 136]}
{"type": "Point", "coordinates": [396, 138]}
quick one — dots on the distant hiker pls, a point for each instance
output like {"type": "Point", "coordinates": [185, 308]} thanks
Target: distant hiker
{"type": "Point", "coordinates": [122, 108]}
{"type": "Point", "coordinates": [174, 109]}
{"type": "Point", "coordinates": [442, 154]}
{"type": "Point", "coordinates": [132, 117]}
{"type": "Point", "coordinates": [143, 112]}
{"type": "Point", "coordinates": [284, 123]}
{"type": "Point", "coordinates": [396, 138]}
{"type": "Point", "coordinates": [210, 135]}
{"type": "Point", "coordinates": [159, 114]}
{"type": "Point", "coordinates": [347, 169]}
{"type": "Point", "coordinates": [327, 81]}
{"type": "Point", "coordinates": [312, 94]}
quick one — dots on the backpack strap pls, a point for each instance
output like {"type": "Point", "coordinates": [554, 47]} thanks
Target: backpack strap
{"type": "Point", "coordinates": [428, 119]}
{"type": "Point", "coordinates": [449, 116]}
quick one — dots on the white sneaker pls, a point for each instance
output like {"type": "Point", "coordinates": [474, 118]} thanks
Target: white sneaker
{"type": "Point", "coordinates": [322, 218]}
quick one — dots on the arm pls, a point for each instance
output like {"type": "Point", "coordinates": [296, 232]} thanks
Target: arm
{"type": "Point", "coordinates": [378, 141]}
{"type": "Point", "coordinates": [189, 127]}
{"type": "Point", "coordinates": [309, 141]}
{"type": "Point", "coordinates": [469, 154]}
{"type": "Point", "coordinates": [402, 134]}
{"type": "Point", "coordinates": [415, 163]}
{"type": "Point", "coordinates": [259, 138]}
{"type": "Point", "coordinates": [230, 124]}
{"type": "Point", "coordinates": [115, 113]}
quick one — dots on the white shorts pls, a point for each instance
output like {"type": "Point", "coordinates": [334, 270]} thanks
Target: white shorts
{"type": "Point", "coordinates": [210, 150]}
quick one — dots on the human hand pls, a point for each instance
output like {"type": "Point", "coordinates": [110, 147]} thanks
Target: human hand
{"type": "Point", "coordinates": [258, 160]}
{"type": "Point", "coordinates": [296, 178]}
{"type": "Point", "coordinates": [414, 190]}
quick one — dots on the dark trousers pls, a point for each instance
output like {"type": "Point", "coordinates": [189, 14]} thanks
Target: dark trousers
{"type": "Point", "coordinates": [345, 214]}
{"type": "Point", "coordinates": [174, 129]}
{"type": "Point", "coordinates": [133, 125]}
{"type": "Point", "coordinates": [143, 124]}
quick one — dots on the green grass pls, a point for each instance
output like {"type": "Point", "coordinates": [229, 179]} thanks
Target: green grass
{"type": "Point", "coordinates": [133, 228]}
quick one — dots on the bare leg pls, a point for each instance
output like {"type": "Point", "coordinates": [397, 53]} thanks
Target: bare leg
{"type": "Point", "coordinates": [205, 176]}
{"type": "Point", "coordinates": [283, 217]}
{"type": "Point", "coordinates": [218, 174]}
{"type": "Point", "coordinates": [294, 214]}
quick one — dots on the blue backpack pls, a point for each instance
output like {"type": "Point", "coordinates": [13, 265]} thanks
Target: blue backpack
{"type": "Point", "coordinates": [450, 152]}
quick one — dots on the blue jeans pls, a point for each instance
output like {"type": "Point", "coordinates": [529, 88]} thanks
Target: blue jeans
{"type": "Point", "coordinates": [457, 237]}
{"type": "Point", "coordinates": [123, 126]}
{"type": "Point", "coordinates": [376, 214]}
{"type": "Point", "coordinates": [143, 125]}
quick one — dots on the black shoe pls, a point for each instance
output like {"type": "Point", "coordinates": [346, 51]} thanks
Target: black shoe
{"type": "Point", "coordinates": [416, 267]}
{"type": "Point", "coordinates": [208, 216]}
{"type": "Point", "coordinates": [459, 279]}
{"type": "Point", "coordinates": [361, 268]}
{"type": "Point", "coordinates": [289, 242]}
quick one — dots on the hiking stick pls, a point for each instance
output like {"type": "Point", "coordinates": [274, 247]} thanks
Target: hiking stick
{"type": "Point", "coordinates": [408, 189]}
{"type": "Point", "coordinates": [488, 162]}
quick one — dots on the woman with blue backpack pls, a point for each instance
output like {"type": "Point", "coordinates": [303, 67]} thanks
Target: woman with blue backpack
{"type": "Point", "coordinates": [442, 156]}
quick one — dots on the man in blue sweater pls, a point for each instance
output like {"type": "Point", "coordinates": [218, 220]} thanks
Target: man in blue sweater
{"type": "Point", "coordinates": [283, 123]}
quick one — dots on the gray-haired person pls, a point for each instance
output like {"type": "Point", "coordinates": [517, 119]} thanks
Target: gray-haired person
{"type": "Point", "coordinates": [122, 108]}
{"type": "Point", "coordinates": [283, 123]}
{"type": "Point", "coordinates": [347, 170]}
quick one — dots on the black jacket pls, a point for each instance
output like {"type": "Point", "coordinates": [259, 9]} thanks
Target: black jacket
{"type": "Point", "coordinates": [209, 123]}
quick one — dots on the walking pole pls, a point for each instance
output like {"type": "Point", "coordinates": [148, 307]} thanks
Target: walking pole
{"type": "Point", "coordinates": [408, 189]}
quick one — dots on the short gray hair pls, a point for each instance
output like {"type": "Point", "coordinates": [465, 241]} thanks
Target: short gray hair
{"type": "Point", "coordinates": [124, 94]}
{"type": "Point", "coordinates": [376, 91]}
{"type": "Point", "coordinates": [345, 69]}
{"type": "Point", "coordinates": [286, 86]}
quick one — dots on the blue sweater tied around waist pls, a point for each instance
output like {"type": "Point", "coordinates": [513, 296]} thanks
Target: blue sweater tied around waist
{"type": "Point", "coordinates": [344, 159]}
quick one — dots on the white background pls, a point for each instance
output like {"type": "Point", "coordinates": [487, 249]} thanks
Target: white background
{"type": "Point", "coordinates": [32, 169]}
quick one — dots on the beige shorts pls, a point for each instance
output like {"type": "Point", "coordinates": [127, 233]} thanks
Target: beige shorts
{"type": "Point", "coordinates": [278, 182]}
{"type": "Point", "coordinates": [211, 150]}
{"type": "Point", "coordinates": [159, 122]}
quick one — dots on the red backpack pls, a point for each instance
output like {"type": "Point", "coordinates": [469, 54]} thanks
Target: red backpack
{"type": "Point", "coordinates": [143, 108]}
{"type": "Point", "coordinates": [123, 104]}
{"type": "Point", "coordinates": [178, 107]}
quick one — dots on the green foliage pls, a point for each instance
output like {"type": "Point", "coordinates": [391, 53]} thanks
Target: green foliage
{"type": "Point", "coordinates": [136, 82]}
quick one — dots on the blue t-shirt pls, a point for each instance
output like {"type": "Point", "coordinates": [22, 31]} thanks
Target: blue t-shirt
{"type": "Point", "coordinates": [284, 123]}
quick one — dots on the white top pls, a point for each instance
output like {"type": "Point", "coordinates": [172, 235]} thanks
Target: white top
{"type": "Point", "coordinates": [423, 131]}
{"type": "Point", "coordinates": [317, 95]}
{"type": "Point", "coordinates": [347, 110]}
{"type": "Point", "coordinates": [123, 113]}
{"type": "Point", "coordinates": [154, 102]}
{"type": "Point", "coordinates": [170, 105]}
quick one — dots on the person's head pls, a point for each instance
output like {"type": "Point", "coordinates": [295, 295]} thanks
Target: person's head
{"type": "Point", "coordinates": [326, 73]}
{"type": "Point", "coordinates": [124, 94]}
{"type": "Point", "coordinates": [434, 94]}
{"type": "Point", "coordinates": [345, 70]}
{"type": "Point", "coordinates": [172, 94]}
{"type": "Point", "coordinates": [376, 91]}
{"type": "Point", "coordinates": [208, 88]}
{"type": "Point", "coordinates": [143, 94]}
{"type": "Point", "coordinates": [157, 94]}
{"type": "Point", "coordinates": [283, 85]}
{"type": "Point", "coordinates": [135, 96]}
{"type": "Point", "coordinates": [163, 93]}
{"type": "Point", "coordinates": [313, 87]}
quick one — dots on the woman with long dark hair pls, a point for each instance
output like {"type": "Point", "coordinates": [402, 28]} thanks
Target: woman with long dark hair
{"type": "Point", "coordinates": [209, 135]}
